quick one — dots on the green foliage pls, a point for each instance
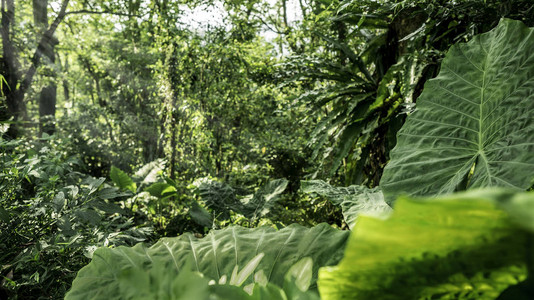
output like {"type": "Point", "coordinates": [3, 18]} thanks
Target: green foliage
{"type": "Point", "coordinates": [122, 180]}
{"type": "Point", "coordinates": [53, 217]}
{"type": "Point", "coordinates": [259, 205]}
{"type": "Point", "coordinates": [369, 62]}
{"type": "Point", "coordinates": [164, 281]}
{"type": "Point", "coordinates": [222, 201]}
{"type": "Point", "coordinates": [473, 124]}
{"type": "Point", "coordinates": [161, 190]}
{"type": "Point", "coordinates": [219, 197]}
{"type": "Point", "coordinates": [354, 200]}
{"type": "Point", "coordinates": [220, 90]}
{"type": "Point", "coordinates": [462, 246]}
{"type": "Point", "coordinates": [158, 105]}
{"type": "Point", "coordinates": [350, 103]}
{"type": "Point", "coordinates": [357, 88]}
{"type": "Point", "coordinates": [169, 205]}
{"type": "Point", "coordinates": [218, 206]}
{"type": "Point", "coordinates": [245, 256]}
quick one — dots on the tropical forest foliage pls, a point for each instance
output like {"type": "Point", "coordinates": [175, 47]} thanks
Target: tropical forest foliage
{"type": "Point", "coordinates": [281, 149]}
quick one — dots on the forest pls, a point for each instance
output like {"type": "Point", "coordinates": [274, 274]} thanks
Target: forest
{"type": "Point", "coordinates": [267, 149]}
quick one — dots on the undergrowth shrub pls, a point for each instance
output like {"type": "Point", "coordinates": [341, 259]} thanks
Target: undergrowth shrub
{"type": "Point", "coordinates": [53, 216]}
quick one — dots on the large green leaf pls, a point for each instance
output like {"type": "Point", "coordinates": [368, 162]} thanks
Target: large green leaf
{"type": "Point", "coordinates": [461, 246]}
{"type": "Point", "coordinates": [264, 199]}
{"type": "Point", "coordinates": [122, 180]}
{"type": "Point", "coordinates": [473, 126]}
{"type": "Point", "coordinates": [200, 215]}
{"type": "Point", "coordinates": [164, 281]}
{"type": "Point", "coordinates": [354, 200]}
{"type": "Point", "coordinates": [217, 256]}
{"type": "Point", "coordinates": [222, 198]}
{"type": "Point", "coordinates": [148, 173]}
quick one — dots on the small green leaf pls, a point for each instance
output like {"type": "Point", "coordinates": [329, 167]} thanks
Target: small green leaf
{"type": "Point", "coordinates": [110, 193]}
{"type": "Point", "coordinates": [59, 201]}
{"type": "Point", "coordinates": [94, 184]}
{"type": "Point", "coordinates": [200, 215]}
{"type": "Point", "coordinates": [88, 216]}
{"type": "Point", "coordinates": [160, 189]}
{"type": "Point", "coordinates": [73, 191]}
{"type": "Point", "coordinates": [106, 207]}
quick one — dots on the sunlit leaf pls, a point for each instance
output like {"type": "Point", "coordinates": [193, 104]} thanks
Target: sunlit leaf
{"type": "Point", "coordinates": [354, 200]}
{"type": "Point", "coordinates": [160, 189]}
{"type": "Point", "coordinates": [122, 180]}
{"type": "Point", "coordinates": [461, 246]}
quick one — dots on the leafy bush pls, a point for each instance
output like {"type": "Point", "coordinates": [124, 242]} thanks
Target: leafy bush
{"type": "Point", "coordinates": [52, 217]}
{"type": "Point", "coordinates": [222, 199]}
{"type": "Point", "coordinates": [176, 207]}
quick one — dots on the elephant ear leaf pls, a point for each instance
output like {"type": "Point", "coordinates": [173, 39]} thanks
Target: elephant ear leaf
{"type": "Point", "coordinates": [354, 200]}
{"type": "Point", "coordinates": [247, 256]}
{"type": "Point", "coordinates": [474, 124]}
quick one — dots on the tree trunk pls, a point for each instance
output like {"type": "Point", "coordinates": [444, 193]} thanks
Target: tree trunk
{"type": "Point", "coordinates": [47, 109]}
{"type": "Point", "coordinates": [65, 84]}
{"type": "Point", "coordinates": [48, 96]}
{"type": "Point", "coordinates": [19, 81]}
{"type": "Point", "coordinates": [10, 69]}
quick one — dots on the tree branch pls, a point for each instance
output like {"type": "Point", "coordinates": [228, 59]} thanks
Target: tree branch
{"type": "Point", "coordinates": [104, 12]}
{"type": "Point", "coordinates": [275, 30]}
